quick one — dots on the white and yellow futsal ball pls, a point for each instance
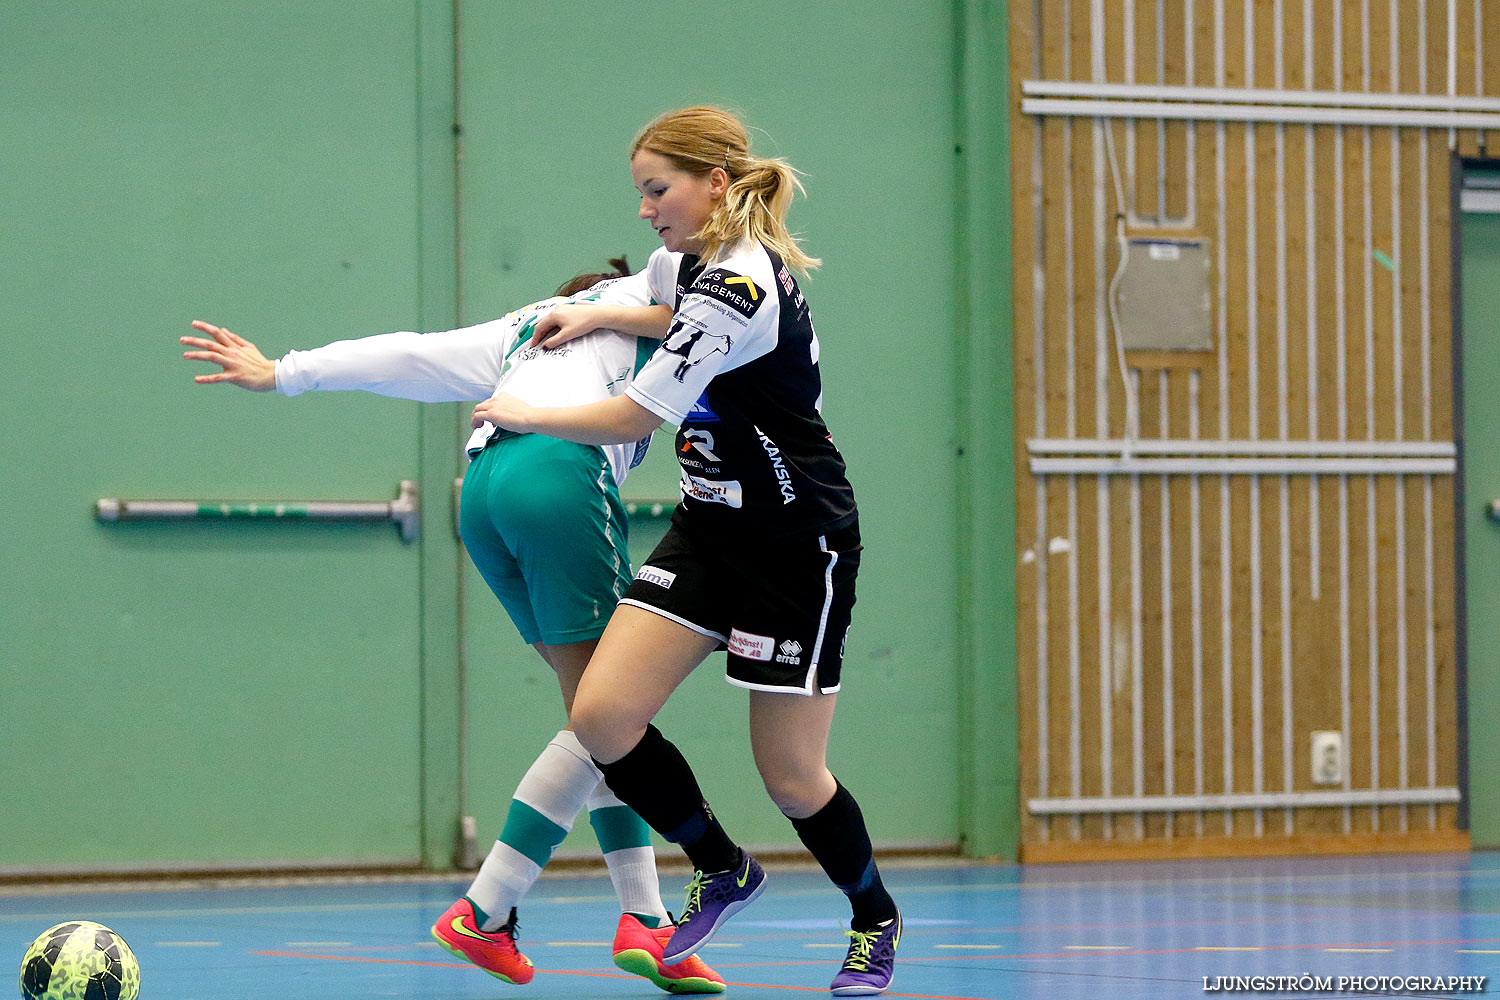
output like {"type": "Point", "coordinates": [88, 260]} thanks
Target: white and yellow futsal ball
{"type": "Point", "coordinates": [80, 960]}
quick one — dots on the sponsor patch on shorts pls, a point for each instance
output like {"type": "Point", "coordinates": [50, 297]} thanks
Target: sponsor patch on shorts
{"type": "Point", "coordinates": [751, 646]}
{"type": "Point", "coordinates": [660, 577]}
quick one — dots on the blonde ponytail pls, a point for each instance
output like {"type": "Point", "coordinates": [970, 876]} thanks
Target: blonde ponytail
{"type": "Point", "coordinates": [760, 191]}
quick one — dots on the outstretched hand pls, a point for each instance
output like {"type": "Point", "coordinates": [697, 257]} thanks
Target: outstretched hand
{"type": "Point", "coordinates": [241, 362]}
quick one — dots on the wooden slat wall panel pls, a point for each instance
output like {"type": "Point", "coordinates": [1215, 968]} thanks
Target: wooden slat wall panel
{"type": "Point", "coordinates": [1185, 634]}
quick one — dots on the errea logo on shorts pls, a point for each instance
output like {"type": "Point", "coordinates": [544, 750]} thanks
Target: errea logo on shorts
{"type": "Point", "coordinates": [750, 646]}
{"type": "Point", "coordinates": [660, 577]}
{"type": "Point", "coordinates": [791, 652]}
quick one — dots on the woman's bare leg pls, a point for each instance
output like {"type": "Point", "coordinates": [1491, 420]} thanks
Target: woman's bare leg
{"type": "Point", "coordinates": [789, 737]}
{"type": "Point", "coordinates": [567, 661]}
{"type": "Point", "coordinates": [789, 734]}
{"type": "Point", "coordinates": [641, 659]}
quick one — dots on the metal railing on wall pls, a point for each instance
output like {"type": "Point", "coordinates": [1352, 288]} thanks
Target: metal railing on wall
{"type": "Point", "coordinates": [405, 511]}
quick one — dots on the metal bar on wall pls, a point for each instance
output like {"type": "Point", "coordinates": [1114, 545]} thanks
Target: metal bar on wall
{"type": "Point", "coordinates": [1195, 558]}
{"type": "Point", "coordinates": [1370, 117]}
{"type": "Point", "coordinates": [1311, 242]}
{"type": "Point", "coordinates": [1253, 95]}
{"type": "Point", "coordinates": [1243, 466]}
{"type": "Point", "coordinates": [1104, 572]}
{"type": "Point", "coordinates": [1398, 361]}
{"type": "Point", "coordinates": [1341, 381]}
{"type": "Point", "coordinates": [1241, 446]}
{"type": "Point", "coordinates": [1263, 800]}
{"type": "Point", "coordinates": [1424, 253]}
{"type": "Point", "coordinates": [1452, 23]}
{"type": "Point", "coordinates": [1283, 379]}
{"type": "Point", "coordinates": [1070, 347]}
{"type": "Point", "coordinates": [405, 511]}
{"type": "Point", "coordinates": [1252, 398]}
{"type": "Point", "coordinates": [1226, 647]}
{"type": "Point", "coordinates": [1168, 631]}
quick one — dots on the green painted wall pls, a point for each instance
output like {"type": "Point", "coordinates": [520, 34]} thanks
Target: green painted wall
{"type": "Point", "coordinates": [194, 695]}
{"type": "Point", "coordinates": [1479, 264]}
{"type": "Point", "coordinates": [278, 695]}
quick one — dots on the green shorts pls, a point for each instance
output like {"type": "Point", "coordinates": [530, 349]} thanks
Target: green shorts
{"type": "Point", "coordinates": [543, 523]}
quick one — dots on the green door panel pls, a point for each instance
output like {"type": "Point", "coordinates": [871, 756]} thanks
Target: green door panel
{"type": "Point", "coordinates": [197, 695]}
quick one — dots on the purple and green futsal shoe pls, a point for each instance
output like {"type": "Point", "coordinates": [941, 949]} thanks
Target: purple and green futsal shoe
{"type": "Point", "coordinates": [711, 900]}
{"type": "Point", "coordinates": [871, 962]}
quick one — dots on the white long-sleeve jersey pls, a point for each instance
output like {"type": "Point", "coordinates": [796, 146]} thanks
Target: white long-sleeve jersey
{"type": "Point", "coordinates": [475, 362]}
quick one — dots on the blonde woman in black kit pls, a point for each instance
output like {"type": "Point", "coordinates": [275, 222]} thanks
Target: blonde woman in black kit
{"type": "Point", "coordinates": [764, 549]}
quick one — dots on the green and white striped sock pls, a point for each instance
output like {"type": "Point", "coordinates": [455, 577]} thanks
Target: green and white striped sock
{"type": "Point", "coordinates": [625, 840]}
{"type": "Point", "coordinates": [542, 811]}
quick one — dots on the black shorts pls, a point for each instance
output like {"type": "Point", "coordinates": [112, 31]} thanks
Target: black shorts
{"type": "Point", "coordinates": [780, 606]}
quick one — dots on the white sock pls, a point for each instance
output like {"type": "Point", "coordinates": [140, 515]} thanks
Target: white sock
{"type": "Point", "coordinates": [541, 813]}
{"type": "Point", "coordinates": [626, 842]}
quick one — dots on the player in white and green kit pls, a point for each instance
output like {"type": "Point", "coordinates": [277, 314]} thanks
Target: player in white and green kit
{"type": "Point", "coordinates": [542, 520]}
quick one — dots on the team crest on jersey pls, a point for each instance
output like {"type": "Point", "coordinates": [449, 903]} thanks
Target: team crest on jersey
{"type": "Point", "coordinates": [694, 346]}
{"type": "Point", "coordinates": [734, 290]}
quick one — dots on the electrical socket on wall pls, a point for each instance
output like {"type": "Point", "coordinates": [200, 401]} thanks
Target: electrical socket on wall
{"type": "Point", "coordinates": [1327, 757]}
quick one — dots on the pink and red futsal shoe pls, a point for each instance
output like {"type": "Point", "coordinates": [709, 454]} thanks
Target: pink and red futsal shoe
{"type": "Point", "coordinates": [638, 949]}
{"type": "Point", "coordinates": [493, 951]}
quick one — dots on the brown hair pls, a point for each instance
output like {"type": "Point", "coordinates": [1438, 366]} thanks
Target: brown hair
{"type": "Point", "coordinates": [697, 140]}
{"type": "Point", "coordinates": [580, 282]}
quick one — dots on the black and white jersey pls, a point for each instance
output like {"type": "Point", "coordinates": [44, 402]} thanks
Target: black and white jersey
{"type": "Point", "coordinates": [738, 372]}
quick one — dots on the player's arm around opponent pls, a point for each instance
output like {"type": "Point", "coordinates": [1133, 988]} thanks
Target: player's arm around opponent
{"type": "Point", "coordinates": [764, 548]}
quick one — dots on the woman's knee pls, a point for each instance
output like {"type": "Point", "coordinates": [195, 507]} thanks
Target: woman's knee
{"type": "Point", "coordinates": [600, 727]}
{"type": "Point", "coordinates": [588, 720]}
{"type": "Point", "coordinates": [799, 792]}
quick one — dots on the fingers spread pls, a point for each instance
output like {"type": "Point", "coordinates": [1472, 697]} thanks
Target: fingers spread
{"type": "Point", "coordinates": [226, 337]}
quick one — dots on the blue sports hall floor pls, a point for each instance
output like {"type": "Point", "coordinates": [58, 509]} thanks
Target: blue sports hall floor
{"type": "Point", "coordinates": [1121, 931]}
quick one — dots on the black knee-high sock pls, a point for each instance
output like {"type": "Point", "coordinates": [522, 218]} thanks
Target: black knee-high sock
{"type": "Point", "coordinates": [837, 837]}
{"type": "Point", "coordinates": [655, 780]}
